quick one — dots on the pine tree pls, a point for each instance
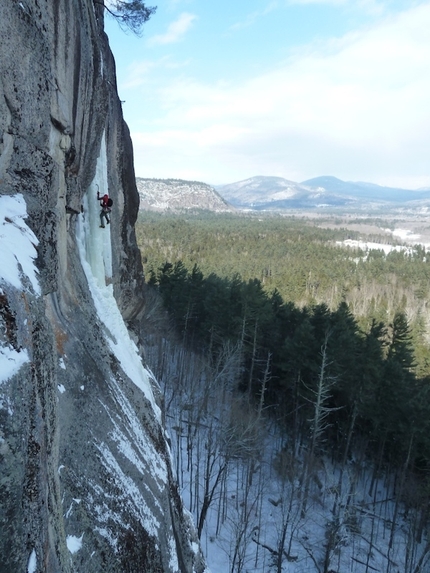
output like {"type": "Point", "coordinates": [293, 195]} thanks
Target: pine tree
{"type": "Point", "coordinates": [130, 14]}
{"type": "Point", "coordinates": [400, 346]}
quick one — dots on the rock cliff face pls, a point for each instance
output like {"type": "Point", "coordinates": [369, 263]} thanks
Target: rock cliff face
{"type": "Point", "coordinates": [176, 195]}
{"type": "Point", "coordinates": [85, 471]}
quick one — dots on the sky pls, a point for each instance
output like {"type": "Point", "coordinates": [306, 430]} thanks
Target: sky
{"type": "Point", "coordinates": [222, 91]}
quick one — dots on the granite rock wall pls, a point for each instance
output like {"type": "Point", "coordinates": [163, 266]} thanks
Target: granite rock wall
{"type": "Point", "coordinates": [85, 472]}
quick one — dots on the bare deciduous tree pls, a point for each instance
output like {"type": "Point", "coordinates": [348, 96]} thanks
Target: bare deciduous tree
{"type": "Point", "coordinates": [319, 397]}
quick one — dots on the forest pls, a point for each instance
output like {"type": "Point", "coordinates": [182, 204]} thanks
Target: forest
{"type": "Point", "coordinates": [329, 343]}
{"type": "Point", "coordinates": [300, 260]}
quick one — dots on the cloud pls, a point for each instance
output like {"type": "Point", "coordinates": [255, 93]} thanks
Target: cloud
{"type": "Point", "coordinates": [175, 32]}
{"type": "Point", "coordinates": [329, 2]}
{"type": "Point", "coordinates": [137, 73]}
{"type": "Point", "coordinates": [352, 3]}
{"type": "Point", "coordinates": [255, 16]}
{"type": "Point", "coordinates": [355, 107]}
{"type": "Point", "coordinates": [371, 7]}
{"type": "Point", "coordinates": [141, 72]}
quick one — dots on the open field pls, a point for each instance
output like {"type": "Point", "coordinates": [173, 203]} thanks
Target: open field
{"type": "Point", "coordinates": [408, 226]}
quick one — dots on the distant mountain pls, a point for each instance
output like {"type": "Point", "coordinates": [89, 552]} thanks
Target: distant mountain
{"type": "Point", "coordinates": [178, 195]}
{"type": "Point", "coordinates": [362, 190]}
{"type": "Point", "coordinates": [272, 193]}
{"type": "Point", "coordinates": [278, 193]}
{"type": "Point", "coordinates": [262, 193]}
{"type": "Point", "coordinates": [257, 190]}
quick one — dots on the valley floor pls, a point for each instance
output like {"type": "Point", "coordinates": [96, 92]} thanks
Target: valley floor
{"type": "Point", "coordinates": [257, 504]}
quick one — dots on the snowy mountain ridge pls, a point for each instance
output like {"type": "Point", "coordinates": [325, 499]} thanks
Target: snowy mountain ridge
{"type": "Point", "coordinates": [178, 195]}
{"type": "Point", "coordinates": [277, 193]}
{"type": "Point", "coordinates": [272, 193]}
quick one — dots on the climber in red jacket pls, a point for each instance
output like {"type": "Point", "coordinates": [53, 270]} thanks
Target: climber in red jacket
{"type": "Point", "coordinates": [105, 204]}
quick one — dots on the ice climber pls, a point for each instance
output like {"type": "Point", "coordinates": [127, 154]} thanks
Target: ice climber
{"type": "Point", "coordinates": [105, 204]}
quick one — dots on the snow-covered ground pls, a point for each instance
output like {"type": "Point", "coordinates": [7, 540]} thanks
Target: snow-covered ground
{"type": "Point", "coordinates": [406, 235]}
{"type": "Point", "coordinates": [369, 246]}
{"type": "Point", "coordinates": [252, 506]}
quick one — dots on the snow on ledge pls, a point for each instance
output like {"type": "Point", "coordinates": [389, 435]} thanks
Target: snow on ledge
{"type": "Point", "coordinates": [18, 244]}
{"type": "Point", "coordinates": [74, 543]}
{"type": "Point", "coordinates": [32, 563]}
{"type": "Point", "coordinates": [11, 361]}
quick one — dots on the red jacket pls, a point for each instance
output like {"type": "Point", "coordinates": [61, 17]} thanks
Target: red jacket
{"type": "Point", "coordinates": [104, 201]}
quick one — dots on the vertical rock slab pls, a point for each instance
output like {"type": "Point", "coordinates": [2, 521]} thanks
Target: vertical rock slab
{"type": "Point", "coordinates": [86, 481]}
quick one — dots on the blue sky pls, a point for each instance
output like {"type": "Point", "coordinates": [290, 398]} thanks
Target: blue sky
{"type": "Point", "coordinates": [222, 91]}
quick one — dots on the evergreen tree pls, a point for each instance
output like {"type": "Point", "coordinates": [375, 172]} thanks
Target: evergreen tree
{"type": "Point", "coordinates": [400, 346]}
